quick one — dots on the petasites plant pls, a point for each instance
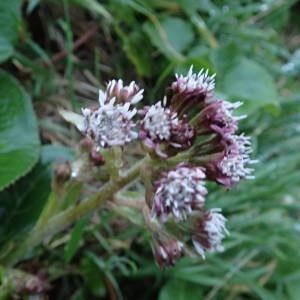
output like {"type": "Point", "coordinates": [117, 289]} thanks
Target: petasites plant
{"type": "Point", "coordinates": [186, 139]}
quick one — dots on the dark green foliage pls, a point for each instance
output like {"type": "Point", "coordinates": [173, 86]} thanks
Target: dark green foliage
{"type": "Point", "coordinates": [19, 146]}
{"type": "Point", "coordinates": [10, 21]}
{"type": "Point", "coordinates": [22, 202]}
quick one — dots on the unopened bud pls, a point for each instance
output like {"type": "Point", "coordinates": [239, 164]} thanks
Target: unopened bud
{"type": "Point", "coordinates": [166, 250]}
{"type": "Point", "coordinates": [96, 157]}
{"type": "Point", "coordinates": [62, 173]}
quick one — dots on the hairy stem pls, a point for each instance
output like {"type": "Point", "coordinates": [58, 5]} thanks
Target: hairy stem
{"type": "Point", "coordinates": [61, 221]}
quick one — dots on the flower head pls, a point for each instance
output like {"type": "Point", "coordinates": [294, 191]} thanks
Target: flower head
{"type": "Point", "coordinates": [110, 124]}
{"type": "Point", "coordinates": [233, 166]}
{"type": "Point", "coordinates": [190, 90]}
{"type": "Point", "coordinates": [179, 192]}
{"type": "Point", "coordinates": [166, 250]}
{"type": "Point", "coordinates": [158, 121]}
{"type": "Point", "coordinates": [130, 93]}
{"type": "Point", "coordinates": [200, 83]}
{"type": "Point", "coordinates": [217, 115]}
{"type": "Point", "coordinates": [161, 125]}
{"type": "Point", "coordinates": [209, 231]}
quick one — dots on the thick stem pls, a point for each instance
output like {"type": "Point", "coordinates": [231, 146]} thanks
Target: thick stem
{"type": "Point", "coordinates": [136, 203]}
{"type": "Point", "coordinates": [66, 218]}
{"type": "Point", "coordinates": [113, 161]}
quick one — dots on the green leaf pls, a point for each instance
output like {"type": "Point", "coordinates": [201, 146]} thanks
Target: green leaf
{"type": "Point", "coordinates": [224, 58]}
{"type": "Point", "coordinates": [203, 5]}
{"type": "Point", "coordinates": [251, 83]}
{"type": "Point", "coordinates": [102, 265]}
{"type": "Point", "coordinates": [6, 49]}
{"type": "Point", "coordinates": [10, 18]}
{"type": "Point", "coordinates": [19, 144]}
{"type": "Point", "coordinates": [75, 239]}
{"type": "Point", "coordinates": [93, 276]}
{"type": "Point", "coordinates": [293, 290]}
{"type": "Point", "coordinates": [22, 203]}
{"type": "Point", "coordinates": [171, 37]}
{"type": "Point", "coordinates": [173, 26]}
{"type": "Point", "coordinates": [180, 290]}
{"type": "Point", "coordinates": [73, 118]}
{"type": "Point", "coordinates": [132, 45]}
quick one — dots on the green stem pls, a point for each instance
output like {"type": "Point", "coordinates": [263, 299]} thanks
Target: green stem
{"type": "Point", "coordinates": [48, 210]}
{"type": "Point", "coordinates": [66, 218]}
{"type": "Point", "coordinates": [113, 161]}
{"type": "Point", "coordinates": [188, 156]}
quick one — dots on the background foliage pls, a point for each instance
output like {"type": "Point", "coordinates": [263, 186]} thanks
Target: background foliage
{"type": "Point", "coordinates": [57, 53]}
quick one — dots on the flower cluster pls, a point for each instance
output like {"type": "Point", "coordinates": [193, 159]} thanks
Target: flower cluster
{"type": "Point", "coordinates": [222, 156]}
{"type": "Point", "coordinates": [161, 126]}
{"type": "Point", "coordinates": [197, 138]}
{"type": "Point", "coordinates": [179, 192]}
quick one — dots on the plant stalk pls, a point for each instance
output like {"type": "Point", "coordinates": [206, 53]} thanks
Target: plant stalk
{"type": "Point", "coordinates": [61, 221]}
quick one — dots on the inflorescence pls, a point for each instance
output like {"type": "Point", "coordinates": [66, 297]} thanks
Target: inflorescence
{"type": "Point", "coordinates": [192, 138]}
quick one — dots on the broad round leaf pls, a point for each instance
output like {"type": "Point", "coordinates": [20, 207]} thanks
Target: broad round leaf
{"type": "Point", "coordinates": [251, 83]}
{"type": "Point", "coordinates": [19, 142]}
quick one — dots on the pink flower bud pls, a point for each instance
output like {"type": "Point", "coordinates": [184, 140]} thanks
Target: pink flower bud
{"type": "Point", "coordinates": [131, 93]}
{"type": "Point", "coordinates": [191, 90]}
{"type": "Point", "coordinates": [166, 250]}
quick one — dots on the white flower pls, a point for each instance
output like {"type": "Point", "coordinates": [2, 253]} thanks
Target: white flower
{"type": "Point", "coordinates": [193, 82]}
{"type": "Point", "coordinates": [217, 115]}
{"type": "Point", "coordinates": [111, 124]}
{"type": "Point", "coordinates": [158, 121]}
{"type": "Point", "coordinates": [234, 167]}
{"type": "Point", "coordinates": [239, 143]}
{"type": "Point", "coordinates": [234, 164]}
{"type": "Point", "coordinates": [226, 112]}
{"type": "Point", "coordinates": [209, 232]}
{"type": "Point", "coordinates": [179, 192]}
